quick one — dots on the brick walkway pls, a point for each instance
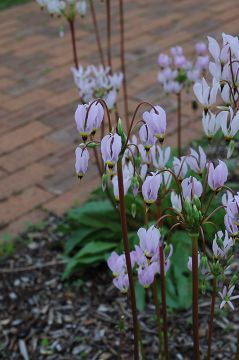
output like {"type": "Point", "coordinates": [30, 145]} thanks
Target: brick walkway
{"type": "Point", "coordinates": [38, 98]}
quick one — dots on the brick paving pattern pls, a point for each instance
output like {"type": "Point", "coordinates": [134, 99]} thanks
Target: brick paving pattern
{"type": "Point", "coordinates": [38, 97]}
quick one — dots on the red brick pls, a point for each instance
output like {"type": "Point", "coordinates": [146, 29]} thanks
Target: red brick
{"type": "Point", "coordinates": [18, 226]}
{"type": "Point", "coordinates": [76, 195]}
{"type": "Point", "coordinates": [19, 205]}
{"type": "Point", "coordinates": [22, 136]}
{"type": "Point", "coordinates": [20, 180]}
{"type": "Point", "coordinates": [27, 154]}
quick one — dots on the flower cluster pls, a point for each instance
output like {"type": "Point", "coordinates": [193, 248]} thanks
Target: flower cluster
{"type": "Point", "coordinates": [146, 172]}
{"type": "Point", "coordinates": [98, 82]}
{"type": "Point", "coordinates": [64, 7]}
{"type": "Point", "coordinates": [145, 260]}
{"type": "Point", "coordinates": [219, 97]}
{"type": "Point", "coordinates": [178, 72]}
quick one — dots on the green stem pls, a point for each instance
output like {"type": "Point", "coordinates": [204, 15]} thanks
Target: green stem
{"type": "Point", "coordinates": [195, 296]}
{"type": "Point", "coordinates": [210, 324]}
{"type": "Point", "coordinates": [127, 257]}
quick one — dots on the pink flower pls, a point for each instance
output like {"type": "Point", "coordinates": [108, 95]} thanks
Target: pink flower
{"type": "Point", "coordinates": [88, 123]}
{"type": "Point", "coordinates": [201, 48]}
{"type": "Point", "coordinates": [220, 251]}
{"type": "Point", "coordinates": [210, 124]}
{"type": "Point", "coordinates": [146, 275]}
{"type": "Point", "coordinates": [122, 283]}
{"type": "Point", "coordinates": [110, 149]}
{"type": "Point", "coordinates": [163, 60]}
{"type": "Point", "coordinates": [156, 122]}
{"type": "Point", "coordinates": [176, 201]}
{"type": "Point", "coordinates": [179, 61]}
{"type": "Point", "coordinates": [206, 95]}
{"type": "Point", "coordinates": [197, 161]}
{"type": "Point", "coordinates": [229, 122]}
{"type": "Point", "coordinates": [217, 176]}
{"type": "Point", "coordinates": [117, 264]}
{"type": "Point", "coordinates": [160, 156]}
{"type": "Point", "coordinates": [191, 187]}
{"type": "Point", "coordinates": [82, 160]}
{"type": "Point", "coordinates": [226, 296]}
{"type": "Point", "coordinates": [151, 187]}
{"type": "Point", "coordinates": [146, 137]}
{"type": "Point", "coordinates": [180, 167]}
{"type": "Point", "coordinates": [177, 50]}
{"type": "Point", "coordinates": [149, 241]}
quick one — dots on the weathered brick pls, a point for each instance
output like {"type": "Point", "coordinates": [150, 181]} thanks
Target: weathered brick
{"type": "Point", "coordinates": [18, 226]}
{"type": "Point", "coordinates": [26, 155]}
{"type": "Point", "coordinates": [20, 180]}
{"type": "Point", "coordinates": [76, 195]}
{"type": "Point", "coordinates": [19, 205]}
{"type": "Point", "coordinates": [22, 136]}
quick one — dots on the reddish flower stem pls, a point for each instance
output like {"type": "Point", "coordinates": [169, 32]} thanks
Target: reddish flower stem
{"type": "Point", "coordinates": [195, 296]}
{"type": "Point", "coordinates": [73, 41]}
{"type": "Point", "coordinates": [158, 315]}
{"type": "Point", "coordinates": [108, 15]}
{"type": "Point", "coordinates": [97, 33]}
{"type": "Point", "coordinates": [210, 324]}
{"type": "Point", "coordinates": [122, 57]}
{"type": "Point", "coordinates": [164, 304]}
{"type": "Point", "coordinates": [179, 124]}
{"type": "Point", "coordinates": [128, 261]}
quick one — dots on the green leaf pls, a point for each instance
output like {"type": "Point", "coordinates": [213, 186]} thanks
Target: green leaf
{"type": "Point", "coordinates": [76, 239]}
{"type": "Point", "coordinates": [95, 247]}
{"type": "Point", "coordinates": [140, 296]}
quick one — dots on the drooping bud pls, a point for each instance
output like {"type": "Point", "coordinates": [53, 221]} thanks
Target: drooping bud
{"type": "Point", "coordinates": [121, 131]}
{"type": "Point", "coordinates": [82, 160]}
{"type": "Point", "coordinates": [104, 181]}
{"type": "Point", "coordinates": [133, 210]}
{"type": "Point", "coordinates": [135, 186]}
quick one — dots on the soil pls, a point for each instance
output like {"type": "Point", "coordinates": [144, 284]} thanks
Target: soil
{"type": "Point", "coordinates": [42, 317]}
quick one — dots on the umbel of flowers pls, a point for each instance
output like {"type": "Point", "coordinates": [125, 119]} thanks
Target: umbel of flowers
{"type": "Point", "coordinates": [98, 82]}
{"type": "Point", "coordinates": [138, 162]}
{"type": "Point", "coordinates": [219, 95]}
{"type": "Point", "coordinates": [178, 73]}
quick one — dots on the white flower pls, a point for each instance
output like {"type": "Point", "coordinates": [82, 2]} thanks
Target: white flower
{"type": "Point", "coordinates": [210, 124]}
{"type": "Point", "coordinates": [81, 7]}
{"type": "Point", "coordinates": [197, 161]}
{"type": "Point", "coordinates": [206, 95]}
{"type": "Point", "coordinates": [229, 123]}
{"type": "Point", "coordinates": [227, 297]}
{"type": "Point", "coordinates": [176, 202]}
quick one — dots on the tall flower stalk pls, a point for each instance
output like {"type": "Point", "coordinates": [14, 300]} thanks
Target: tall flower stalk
{"type": "Point", "coordinates": [97, 33]}
{"type": "Point", "coordinates": [122, 57]}
{"type": "Point", "coordinates": [196, 353]}
{"type": "Point", "coordinates": [212, 311]}
{"type": "Point", "coordinates": [128, 259]}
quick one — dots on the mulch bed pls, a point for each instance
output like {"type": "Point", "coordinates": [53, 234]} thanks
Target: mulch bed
{"type": "Point", "coordinates": [42, 317]}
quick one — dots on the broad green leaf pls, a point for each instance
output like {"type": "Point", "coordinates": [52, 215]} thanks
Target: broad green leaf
{"type": "Point", "coordinates": [140, 296]}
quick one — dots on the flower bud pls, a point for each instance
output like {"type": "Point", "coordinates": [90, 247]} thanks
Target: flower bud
{"type": "Point", "coordinates": [104, 181]}
{"type": "Point", "coordinates": [133, 210]}
{"type": "Point", "coordinates": [135, 185]}
{"type": "Point", "coordinates": [233, 280]}
{"type": "Point", "coordinates": [121, 131]}
{"type": "Point", "coordinates": [216, 269]}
